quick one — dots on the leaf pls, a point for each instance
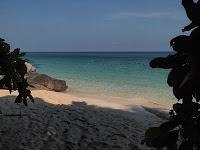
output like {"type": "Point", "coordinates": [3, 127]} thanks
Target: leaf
{"type": "Point", "coordinates": [171, 113]}
{"type": "Point", "coordinates": [187, 78]}
{"type": "Point", "coordinates": [18, 99]}
{"type": "Point", "coordinates": [21, 68]}
{"type": "Point", "coordinates": [15, 53]}
{"type": "Point", "coordinates": [197, 95]}
{"type": "Point", "coordinates": [153, 137]}
{"type": "Point", "coordinates": [160, 63]}
{"type": "Point", "coordinates": [22, 54]}
{"type": "Point", "coordinates": [153, 132]}
{"type": "Point", "coordinates": [5, 48]}
{"type": "Point", "coordinates": [180, 43]}
{"type": "Point", "coordinates": [2, 40]}
{"type": "Point", "coordinates": [178, 107]}
{"type": "Point", "coordinates": [168, 126]}
{"type": "Point", "coordinates": [182, 135]}
{"type": "Point", "coordinates": [172, 147]}
{"type": "Point", "coordinates": [25, 101]}
{"type": "Point", "coordinates": [193, 108]}
{"type": "Point", "coordinates": [186, 146]}
{"type": "Point", "coordinates": [31, 97]}
{"type": "Point", "coordinates": [2, 82]}
{"type": "Point", "coordinates": [171, 138]}
{"type": "Point", "coordinates": [184, 93]}
{"type": "Point", "coordinates": [178, 93]}
{"type": "Point", "coordinates": [8, 83]}
{"type": "Point", "coordinates": [31, 86]}
{"type": "Point", "coordinates": [14, 84]}
{"type": "Point", "coordinates": [177, 75]}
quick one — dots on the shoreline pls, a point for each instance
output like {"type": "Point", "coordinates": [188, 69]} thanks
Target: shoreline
{"type": "Point", "coordinates": [102, 97]}
{"type": "Point", "coordinates": [101, 100]}
{"type": "Point", "coordinates": [136, 101]}
{"type": "Point", "coordinates": [98, 95]}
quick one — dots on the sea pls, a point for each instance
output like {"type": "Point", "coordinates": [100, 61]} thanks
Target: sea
{"type": "Point", "coordinates": [115, 74]}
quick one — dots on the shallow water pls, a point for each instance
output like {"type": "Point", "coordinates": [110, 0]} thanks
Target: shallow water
{"type": "Point", "coordinates": [125, 75]}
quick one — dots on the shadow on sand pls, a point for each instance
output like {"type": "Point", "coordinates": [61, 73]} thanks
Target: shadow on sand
{"type": "Point", "coordinates": [45, 126]}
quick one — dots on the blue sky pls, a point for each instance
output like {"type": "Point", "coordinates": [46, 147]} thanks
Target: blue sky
{"type": "Point", "coordinates": [91, 25]}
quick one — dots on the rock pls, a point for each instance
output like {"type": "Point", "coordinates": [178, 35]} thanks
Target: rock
{"type": "Point", "coordinates": [51, 131]}
{"type": "Point", "coordinates": [30, 68]}
{"type": "Point", "coordinates": [1, 77]}
{"type": "Point", "coordinates": [46, 81]}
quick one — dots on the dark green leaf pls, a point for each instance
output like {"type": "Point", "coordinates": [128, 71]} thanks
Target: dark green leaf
{"type": "Point", "coordinates": [22, 54]}
{"type": "Point", "coordinates": [176, 76]}
{"type": "Point", "coordinates": [18, 99]}
{"type": "Point", "coordinates": [168, 126]}
{"type": "Point", "coordinates": [178, 107]}
{"type": "Point", "coordinates": [178, 93]}
{"type": "Point", "coordinates": [2, 40]}
{"type": "Point", "coordinates": [186, 146]}
{"type": "Point", "coordinates": [31, 97]}
{"type": "Point", "coordinates": [153, 132]}
{"type": "Point", "coordinates": [171, 138]}
{"type": "Point", "coordinates": [2, 82]}
{"type": "Point", "coordinates": [25, 101]}
{"type": "Point", "coordinates": [31, 86]}
{"type": "Point", "coordinates": [15, 53]}
{"type": "Point", "coordinates": [180, 43]}
{"type": "Point", "coordinates": [172, 147]}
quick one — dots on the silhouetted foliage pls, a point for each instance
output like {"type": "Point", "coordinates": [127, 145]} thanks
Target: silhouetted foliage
{"type": "Point", "coordinates": [13, 70]}
{"type": "Point", "coordinates": [184, 78]}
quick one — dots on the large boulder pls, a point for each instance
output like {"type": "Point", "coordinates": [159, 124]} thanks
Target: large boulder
{"type": "Point", "coordinates": [46, 81]}
{"type": "Point", "coordinates": [30, 68]}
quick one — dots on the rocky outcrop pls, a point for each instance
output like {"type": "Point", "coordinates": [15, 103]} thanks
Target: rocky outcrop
{"type": "Point", "coordinates": [46, 81]}
{"type": "Point", "coordinates": [42, 81]}
{"type": "Point", "coordinates": [30, 68]}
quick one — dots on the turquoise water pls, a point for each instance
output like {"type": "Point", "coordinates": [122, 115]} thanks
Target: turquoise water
{"type": "Point", "coordinates": [126, 75]}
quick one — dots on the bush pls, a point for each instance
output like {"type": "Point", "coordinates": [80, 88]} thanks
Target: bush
{"type": "Point", "coordinates": [13, 70]}
{"type": "Point", "coordinates": [184, 78]}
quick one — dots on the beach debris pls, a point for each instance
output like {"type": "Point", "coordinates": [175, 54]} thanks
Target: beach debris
{"type": "Point", "coordinates": [51, 131]}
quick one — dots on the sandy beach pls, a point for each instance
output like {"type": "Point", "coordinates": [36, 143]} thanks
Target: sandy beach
{"type": "Point", "coordinates": [73, 121]}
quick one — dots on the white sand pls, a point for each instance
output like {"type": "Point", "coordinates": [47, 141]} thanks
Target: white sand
{"type": "Point", "coordinates": [73, 121]}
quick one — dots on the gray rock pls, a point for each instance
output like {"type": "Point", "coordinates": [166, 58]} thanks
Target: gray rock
{"type": "Point", "coordinates": [1, 77]}
{"type": "Point", "coordinates": [46, 81]}
{"type": "Point", "coordinates": [30, 68]}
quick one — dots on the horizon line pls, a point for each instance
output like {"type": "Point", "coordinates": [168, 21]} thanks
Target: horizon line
{"type": "Point", "coordinates": [96, 52]}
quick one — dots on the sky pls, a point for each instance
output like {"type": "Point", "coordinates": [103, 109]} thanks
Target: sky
{"type": "Point", "coordinates": [91, 25]}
